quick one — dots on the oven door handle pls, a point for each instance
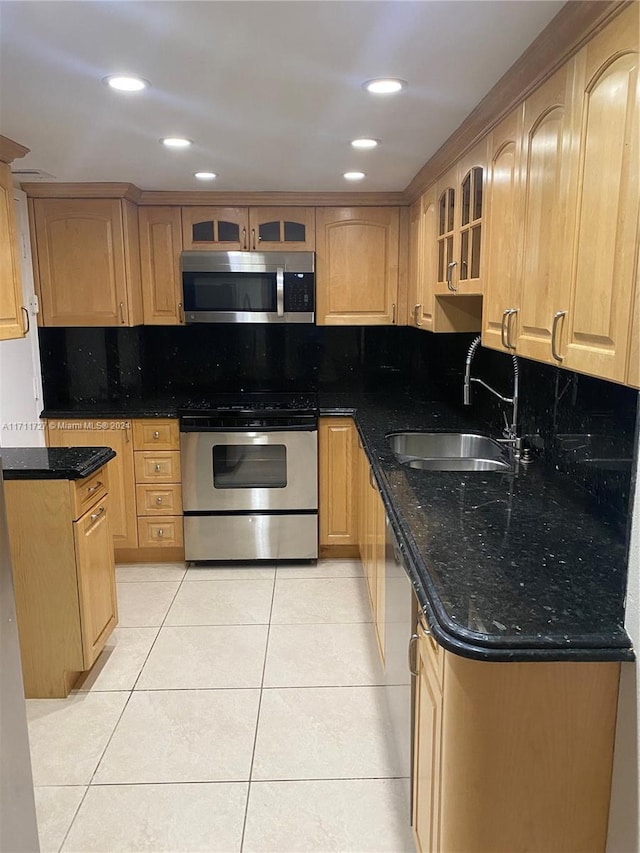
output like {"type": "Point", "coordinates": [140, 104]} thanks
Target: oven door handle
{"type": "Point", "coordinates": [280, 291]}
{"type": "Point", "coordinates": [302, 427]}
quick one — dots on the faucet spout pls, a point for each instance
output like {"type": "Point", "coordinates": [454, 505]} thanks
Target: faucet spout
{"type": "Point", "coordinates": [511, 431]}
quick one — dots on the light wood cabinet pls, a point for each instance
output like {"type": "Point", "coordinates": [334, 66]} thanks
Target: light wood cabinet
{"type": "Point", "coordinates": [504, 218]}
{"type": "Point", "coordinates": [282, 229]}
{"type": "Point", "coordinates": [598, 329]}
{"type": "Point", "coordinates": [160, 248]}
{"type": "Point", "coordinates": [64, 579]}
{"type": "Point", "coordinates": [633, 362]}
{"type": "Point", "coordinates": [371, 541]}
{"type": "Point", "coordinates": [117, 435]}
{"type": "Point", "coordinates": [337, 446]}
{"type": "Point", "coordinates": [88, 261]}
{"type": "Point", "coordinates": [249, 229]}
{"type": "Point", "coordinates": [511, 756]}
{"type": "Point", "coordinates": [156, 445]}
{"type": "Point", "coordinates": [357, 256]}
{"type": "Point", "coordinates": [223, 228]}
{"type": "Point", "coordinates": [422, 260]}
{"type": "Point", "coordinates": [11, 319]}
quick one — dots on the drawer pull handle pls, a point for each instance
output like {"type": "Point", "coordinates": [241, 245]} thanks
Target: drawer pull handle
{"type": "Point", "coordinates": [416, 314]}
{"type": "Point", "coordinates": [92, 489]}
{"type": "Point", "coordinates": [160, 533]}
{"type": "Point", "coordinates": [159, 500]}
{"type": "Point", "coordinates": [157, 467]}
{"type": "Point", "coordinates": [156, 434]}
{"type": "Point", "coordinates": [97, 514]}
{"type": "Point", "coordinates": [411, 655]}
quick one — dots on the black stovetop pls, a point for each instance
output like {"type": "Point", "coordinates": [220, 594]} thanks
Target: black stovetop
{"type": "Point", "coordinates": [249, 403]}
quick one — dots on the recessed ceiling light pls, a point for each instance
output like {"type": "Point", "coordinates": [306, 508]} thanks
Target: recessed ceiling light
{"type": "Point", "coordinates": [205, 176]}
{"type": "Point", "coordinates": [176, 142]}
{"type": "Point", "coordinates": [365, 144]}
{"type": "Point", "coordinates": [384, 85]}
{"type": "Point", "coordinates": [354, 176]}
{"type": "Point", "coordinates": [126, 83]}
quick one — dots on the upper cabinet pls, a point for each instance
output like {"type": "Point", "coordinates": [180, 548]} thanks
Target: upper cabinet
{"type": "Point", "coordinates": [560, 285]}
{"type": "Point", "coordinates": [88, 261]}
{"type": "Point", "coordinates": [422, 260]}
{"type": "Point", "coordinates": [598, 316]}
{"type": "Point", "coordinates": [11, 320]}
{"type": "Point", "coordinates": [251, 229]}
{"type": "Point", "coordinates": [357, 265]}
{"type": "Point", "coordinates": [160, 248]}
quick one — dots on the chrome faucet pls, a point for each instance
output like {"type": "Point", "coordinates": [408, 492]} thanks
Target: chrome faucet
{"type": "Point", "coordinates": [510, 432]}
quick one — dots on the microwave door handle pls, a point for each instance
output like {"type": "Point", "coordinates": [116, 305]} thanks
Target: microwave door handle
{"type": "Point", "coordinates": [280, 291]}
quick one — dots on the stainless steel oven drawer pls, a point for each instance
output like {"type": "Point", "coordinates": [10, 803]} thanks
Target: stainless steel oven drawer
{"type": "Point", "coordinates": [251, 537]}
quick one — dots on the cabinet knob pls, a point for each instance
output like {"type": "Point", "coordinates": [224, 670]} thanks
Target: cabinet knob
{"type": "Point", "coordinates": [156, 434]}
{"type": "Point", "coordinates": [157, 467]}
{"type": "Point", "coordinates": [159, 500]}
{"type": "Point", "coordinates": [160, 533]}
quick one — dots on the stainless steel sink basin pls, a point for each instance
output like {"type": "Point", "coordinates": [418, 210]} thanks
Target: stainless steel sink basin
{"type": "Point", "coordinates": [449, 451]}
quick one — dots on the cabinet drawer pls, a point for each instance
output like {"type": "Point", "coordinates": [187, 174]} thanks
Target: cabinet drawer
{"type": "Point", "coordinates": [157, 466]}
{"type": "Point", "coordinates": [86, 492]}
{"type": "Point", "coordinates": [161, 532]}
{"type": "Point", "coordinates": [156, 434]}
{"type": "Point", "coordinates": [431, 651]}
{"type": "Point", "coordinates": [159, 500]}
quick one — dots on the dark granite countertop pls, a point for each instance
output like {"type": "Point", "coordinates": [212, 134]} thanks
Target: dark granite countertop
{"type": "Point", "coordinates": [52, 463]}
{"type": "Point", "coordinates": [507, 566]}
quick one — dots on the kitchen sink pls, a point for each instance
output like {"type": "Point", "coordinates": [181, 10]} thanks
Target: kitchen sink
{"type": "Point", "coordinates": [449, 451]}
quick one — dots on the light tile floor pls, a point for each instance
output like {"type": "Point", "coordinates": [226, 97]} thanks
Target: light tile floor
{"type": "Point", "coordinates": [236, 708]}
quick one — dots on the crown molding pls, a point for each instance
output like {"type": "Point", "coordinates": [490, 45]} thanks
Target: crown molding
{"type": "Point", "coordinates": [82, 190]}
{"type": "Point", "coordinates": [271, 199]}
{"type": "Point", "coordinates": [10, 150]}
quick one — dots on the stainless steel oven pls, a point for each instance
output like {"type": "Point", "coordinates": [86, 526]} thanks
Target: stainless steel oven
{"type": "Point", "coordinates": [250, 485]}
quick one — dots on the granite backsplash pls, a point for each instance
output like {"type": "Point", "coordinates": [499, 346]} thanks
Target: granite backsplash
{"type": "Point", "coordinates": [582, 426]}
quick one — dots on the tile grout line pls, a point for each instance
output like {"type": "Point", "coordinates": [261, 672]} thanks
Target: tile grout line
{"type": "Point", "coordinates": [95, 769]}
{"type": "Point", "coordinates": [255, 738]}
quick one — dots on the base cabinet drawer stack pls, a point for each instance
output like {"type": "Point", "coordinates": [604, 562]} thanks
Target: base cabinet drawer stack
{"type": "Point", "coordinates": [64, 578]}
{"type": "Point", "coordinates": [158, 483]}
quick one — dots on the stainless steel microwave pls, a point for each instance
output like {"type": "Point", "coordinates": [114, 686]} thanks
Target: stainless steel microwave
{"type": "Point", "coordinates": [248, 287]}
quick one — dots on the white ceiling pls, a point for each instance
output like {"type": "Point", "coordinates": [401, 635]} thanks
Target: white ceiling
{"type": "Point", "coordinates": [270, 92]}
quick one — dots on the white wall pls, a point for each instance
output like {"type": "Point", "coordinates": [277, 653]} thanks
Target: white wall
{"type": "Point", "coordinates": [624, 819]}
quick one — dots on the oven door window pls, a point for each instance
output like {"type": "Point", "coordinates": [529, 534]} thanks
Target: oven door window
{"type": "Point", "coordinates": [249, 466]}
{"type": "Point", "coordinates": [225, 291]}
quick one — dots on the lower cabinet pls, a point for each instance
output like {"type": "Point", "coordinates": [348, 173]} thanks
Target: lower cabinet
{"type": "Point", "coordinates": [64, 578]}
{"type": "Point", "coordinates": [371, 536]}
{"type": "Point", "coordinates": [511, 756]}
{"type": "Point", "coordinates": [338, 510]}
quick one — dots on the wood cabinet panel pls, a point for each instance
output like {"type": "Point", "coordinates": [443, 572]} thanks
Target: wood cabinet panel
{"type": "Point", "coordinates": [357, 265]}
{"type": "Point", "coordinates": [633, 363]}
{"type": "Point", "coordinates": [156, 434]}
{"type": "Point", "coordinates": [86, 492]}
{"type": "Point", "coordinates": [608, 203]}
{"type": "Point", "coordinates": [282, 229]}
{"type": "Point", "coordinates": [157, 466]}
{"type": "Point", "coordinates": [160, 248]}
{"type": "Point", "coordinates": [117, 435]}
{"type": "Point", "coordinates": [96, 580]}
{"type": "Point", "coordinates": [222, 228]}
{"type": "Point", "coordinates": [88, 262]}
{"type": "Point", "coordinates": [337, 443]}
{"type": "Point", "coordinates": [423, 249]}
{"type": "Point", "coordinates": [504, 217]}
{"type": "Point", "coordinates": [161, 532]}
{"type": "Point", "coordinates": [159, 499]}
{"type": "Point", "coordinates": [548, 179]}
{"type": "Point", "coordinates": [11, 321]}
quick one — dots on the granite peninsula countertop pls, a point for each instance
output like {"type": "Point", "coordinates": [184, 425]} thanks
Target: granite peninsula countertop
{"type": "Point", "coordinates": [515, 566]}
{"type": "Point", "coordinates": [52, 463]}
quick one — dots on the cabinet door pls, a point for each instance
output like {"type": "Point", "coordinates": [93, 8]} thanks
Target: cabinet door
{"type": "Point", "coordinates": [357, 265]}
{"type": "Point", "coordinates": [467, 275]}
{"type": "Point", "coordinates": [96, 580]}
{"type": "Point", "coordinates": [447, 249]}
{"type": "Point", "coordinates": [160, 248]}
{"type": "Point", "coordinates": [123, 521]}
{"type": "Point", "coordinates": [81, 246]}
{"type": "Point", "coordinates": [11, 323]}
{"type": "Point", "coordinates": [415, 261]}
{"type": "Point", "coordinates": [428, 260]}
{"type": "Point", "coordinates": [223, 228]}
{"type": "Point", "coordinates": [378, 536]}
{"type": "Point", "coordinates": [336, 451]}
{"type": "Point", "coordinates": [598, 322]}
{"type": "Point", "coordinates": [363, 474]}
{"type": "Point", "coordinates": [427, 750]}
{"type": "Point", "coordinates": [633, 362]}
{"type": "Point", "coordinates": [284, 229]}
{"type": "Point", "coordinates": [503, 233]}
{"type": "Point", "coordinates": [548, 178]}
